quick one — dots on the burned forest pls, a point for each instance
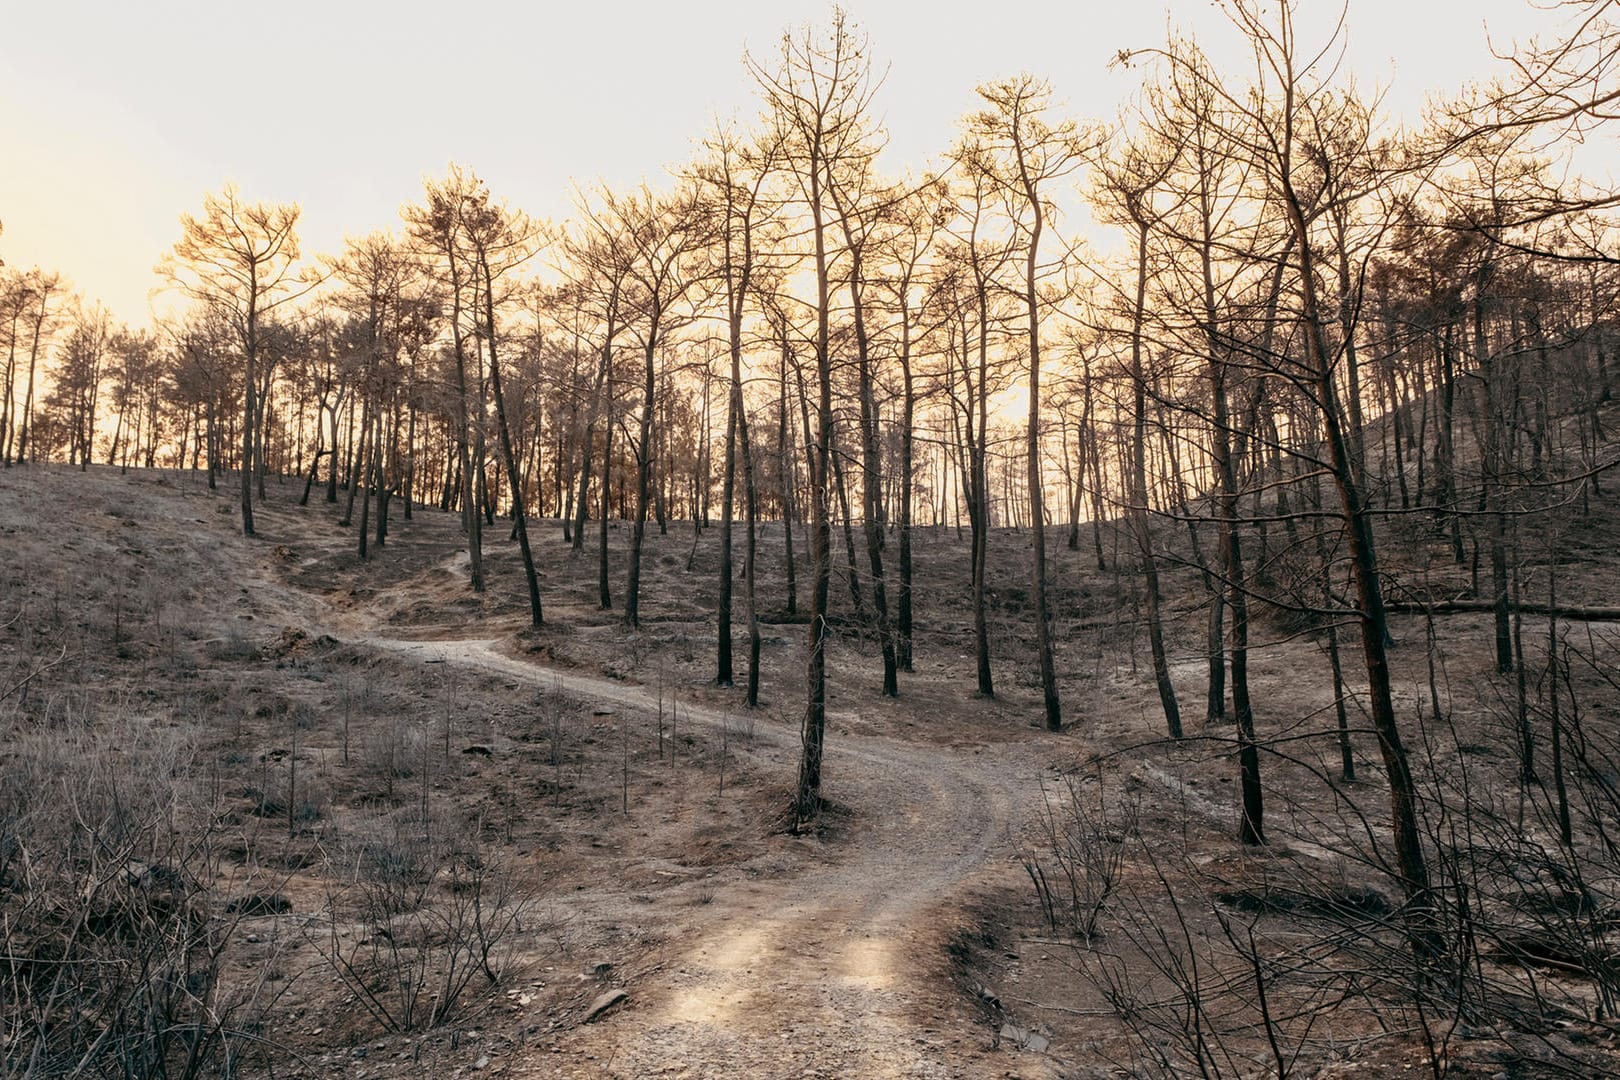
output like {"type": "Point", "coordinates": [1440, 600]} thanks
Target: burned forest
{"type": "Point", "coordinates": [1134, 594]}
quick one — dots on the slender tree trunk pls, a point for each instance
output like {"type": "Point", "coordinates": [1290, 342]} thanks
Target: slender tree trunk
{"type": "Point", "coordinates": [486, 492]}
{"type": "Point", "coordinates": [1097, 499]}
{"type": "Point", "coordinates": [908, 414]}
{"type": "Point", "coordinates": [471, 520]}
{"type": "Point", "coordinates": [408, 479]}
{"type": "Point", "coordinates": [872, 485]}
{"type": "Point", "coordinates": [369, 476]}
{"type": "Point", "coordinates": [1445, 444]}
{"type": "Point", "coordinates": [332, 471]}
{"type": "Point", "coordinates": [750, 549]}
{"type": "Point", "coordinates": [1493, 463]}
{"type": "Point", "coordinates": [1347, 758]}
{"type": "Point", "coordinates": [807, 795]}
{"type": "Point", "coordinates": [1037, 486]}
{"type": "Point", "coordinates": [728, 484]}
{"type": "Point", "coordinates": [388, 476]}
{"type": "Point", "coordinates": [6, 426]}
{"type": "Point", "coordinates": [842, 491]}
{"type": "Point", "coordinates": [27, 415]}
{"type": "Point", "coordinates": [261, 429]}
{"type": "Point", "coordinates": [357, 469]}
{"type": "Point", "coordinates": [209, 448]}
{"type": "Point", "coordinates": [644, 461]}
{"type": "Point", "coordinates": [784, 472]}
{"type": "Point", "coordinates": [582, 502]}
{"type": "Point", "coordinates": [118, 434]}
{"type": "Point", "coordinates": [1139, 496]}
{"type": "Point", "coordinates": [519, 522]}
{"type": "Point", "coordinates": [315, 464]}
{"type": "Point", "coordinates": [979, 498]}
{"type": "Point", "coordinates": [249, 410]}
{"type": "Point", "coordinates": [1251, 828]}
{"type": "Point", "coordinates": [1413, 866]}
{"type": "Point", "coordinates": [604, 596]}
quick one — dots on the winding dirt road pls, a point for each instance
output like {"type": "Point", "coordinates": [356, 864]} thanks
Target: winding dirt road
{"type": "Point", "coordinates": [838, 971]}
{"type": "Point", "coordinates": [837, 967]}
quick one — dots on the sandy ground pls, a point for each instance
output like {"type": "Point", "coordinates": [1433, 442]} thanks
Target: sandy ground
{"type": "Point", "coordinates": [896, 941]}
{"type": "Point", "coordinates": [817, 955]}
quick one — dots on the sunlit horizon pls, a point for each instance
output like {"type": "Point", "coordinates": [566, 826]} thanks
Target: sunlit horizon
{"type": "Point", "coordinates": [121, 119]}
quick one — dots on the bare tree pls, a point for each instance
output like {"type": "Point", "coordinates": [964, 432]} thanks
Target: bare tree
{"type": "Point", "coordinates": [860, 205]}
{"type": "Point", "coordinates": [817, 97]}
{"type": "Point", "coordinates": [598, 265]}
{"type": "Point", "coordinates": [76, 383]}
{"type": "Point", "coordinates": [1025, 153]}
{"type": "Point", "coordinates": [499, 240]}
{"type": "Point", "coordinates": [967, 293]}
{"type": "Point", "coordinates": [731, 181]}
{"type": "Point", "coordinates": [1274, 110]}
{"type": "Point", "coordinates": [1130, 175]}
{"type": "Point", "coordinates": [436, 227]}
{"type": "Point", "coordinates": [15, 297]}
{"type": "Point", "coordinates": [912, 223]}
{"type": "Point", "coordinates": [36, 293]}
{"type": "Point", "coordinates": [661, 237]}
{"type": "Point", "coordinates": [240, 258]}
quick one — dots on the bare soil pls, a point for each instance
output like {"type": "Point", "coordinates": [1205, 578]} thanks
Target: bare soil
{"type": "Point", "coordinates": [597, 768]}
{"type": "Point", "coordinates": [328, 708]}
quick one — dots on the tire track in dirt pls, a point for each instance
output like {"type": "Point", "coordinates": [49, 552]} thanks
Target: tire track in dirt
{"type": "Point", "coordinates": [838, 970]}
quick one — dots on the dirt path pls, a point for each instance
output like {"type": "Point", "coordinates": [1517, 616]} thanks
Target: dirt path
{"type": "Point", "coordinates": [812, 956]}
{"type": "Point", "coordinates": [836, 971]}
{"type": "Point", "coordinates": [837, 967]}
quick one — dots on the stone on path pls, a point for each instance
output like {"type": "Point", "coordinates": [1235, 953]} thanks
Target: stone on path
{"type": "Point", "coordinates": [604, 1003]}
{"type": "Point", "coordinates": [1024, 1039]}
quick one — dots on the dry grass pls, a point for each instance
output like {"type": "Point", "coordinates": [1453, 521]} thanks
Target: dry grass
{"type": "Point", "coordinates": [313, 847]}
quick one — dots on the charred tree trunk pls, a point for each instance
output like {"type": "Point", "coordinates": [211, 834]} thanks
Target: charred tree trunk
{"type": "Point", "coordinates": [728, 486]}
{"type": "Point", "coordinates": [357, 467]}
{"type": "Point", "coordinates": [1413, 866]}
{"type": "Point", "coordinates": [908, 415]}
{"type": "Point", "coordinates": [844, 515]}
{"type": "Point", "coordinates": [1139, 496]}
{"type": "Point", "coordinates": [872, 487]}
{"type": "Point", "coordinates": [519, 521]}
{"type": "Point", "coordinates": [750, 549]}
{"type": "Point", "coordinates": [604, 596]}
{"type": "Point", "coordinates": [371, 476]}
{"type": "Point", "coordinates": [785, 476]}
{"type": "Point", "coordinates": [644, 462]}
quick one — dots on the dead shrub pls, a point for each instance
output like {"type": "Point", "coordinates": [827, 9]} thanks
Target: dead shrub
{"type": "Point", "coordinates": [1078, 865]}
{"type": "Point", "coordinates": [112, 931]}
{"type": "Point", "coordinates": [418, 931]}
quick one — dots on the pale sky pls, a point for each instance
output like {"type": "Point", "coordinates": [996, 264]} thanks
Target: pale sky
{"type": "Point", "coordinates": [116, 117]}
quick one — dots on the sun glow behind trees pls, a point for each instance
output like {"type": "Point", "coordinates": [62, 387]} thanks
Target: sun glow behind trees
{"type": "Point", "coordinates": [1336, 368]}
{"type": "Point", "coordinates": [1261, 197]}
{"type": "Point", "coordinates": [115, 109]}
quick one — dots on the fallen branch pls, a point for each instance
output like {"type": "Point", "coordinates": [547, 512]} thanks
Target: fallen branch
{"type": "Point", "coordinates": [1476, 607]}
{"type": "Point", "coordinates": [1063, 1008]}
{"type": "Point", "coordinates": [32, 675]}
